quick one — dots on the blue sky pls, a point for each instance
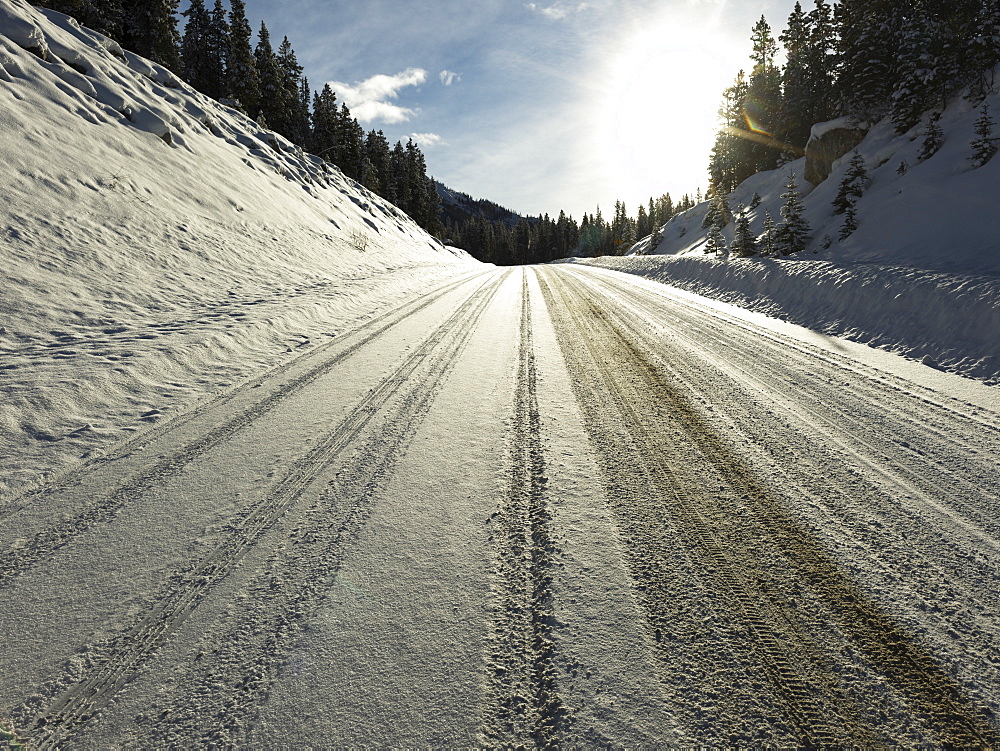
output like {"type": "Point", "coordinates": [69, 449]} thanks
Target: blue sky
{"type": "Point", "coordinates": [558, 104]}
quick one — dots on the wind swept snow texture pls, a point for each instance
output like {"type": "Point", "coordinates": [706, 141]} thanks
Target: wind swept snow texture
{"type": "Point", "coordinates": [157, 246]}
{"type": "Point", "coordinates": [920, 275]}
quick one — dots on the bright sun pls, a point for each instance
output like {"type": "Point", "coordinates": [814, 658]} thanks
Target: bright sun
{"type": "Point", "coordinates": [658, 117]}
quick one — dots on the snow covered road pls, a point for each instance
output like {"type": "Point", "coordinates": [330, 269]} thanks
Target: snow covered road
{"type": "Point", "coordinates": [541, 506]}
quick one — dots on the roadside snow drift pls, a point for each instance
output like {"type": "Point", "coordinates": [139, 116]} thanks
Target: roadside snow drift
{"type": "Point", "coordinates": [157, 246]}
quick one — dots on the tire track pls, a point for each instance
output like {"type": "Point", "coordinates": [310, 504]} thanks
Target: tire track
{"type": "Point", "coordinates": [945, 407]}
{"type": "Point", "coordinates": [727, 531]}
{"type": "Point", "coordinates": [887, 429]}
{"type": "Point", "coordinates": [654, 505]}
{"type": "Point", "coordinates": [875, 388]}
{"type": "Point", "coordinates": [45, 542]}
{"type": "Point", "coordinates": [524, 707]}
{"type": "Point", "coordinates": [112, 664]}
{"type": "Point", "coordinates": [228, 685]}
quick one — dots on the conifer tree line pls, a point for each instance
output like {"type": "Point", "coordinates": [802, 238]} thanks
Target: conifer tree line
{"type": "Point", "coordinates": [542, 239]}
{"type": "Point", "coordinates": [862, 58]}
{"type": "Point", "coordinates": [217, 56]}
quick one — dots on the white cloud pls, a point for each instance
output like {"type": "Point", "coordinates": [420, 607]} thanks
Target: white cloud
{"type": "Point", "coordinates": [368, 100]}
{"type": "Point", "coordinates": [557, 11]}
{"type": "Point", "coordinates": [448, 77]}
{"type": "Point", "coordinates": [427, 139]}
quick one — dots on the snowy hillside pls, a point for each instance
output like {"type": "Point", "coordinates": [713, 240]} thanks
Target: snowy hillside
{"type": "Point", "coordinates": [920, 275]}
{"type": "Point", "coordinates": [157, 246]}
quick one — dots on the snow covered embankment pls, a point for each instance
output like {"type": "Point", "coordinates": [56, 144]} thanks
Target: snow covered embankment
{"type": "Point", "coordinates": [156, 246]}
{"type": "Point", "coordinates": [951, 320]}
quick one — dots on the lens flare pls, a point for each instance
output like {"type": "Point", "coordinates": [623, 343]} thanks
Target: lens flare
{"type": "Point", "coordinates": [765, 138]}
{"type": "Point", "coordinates": [752, 115]}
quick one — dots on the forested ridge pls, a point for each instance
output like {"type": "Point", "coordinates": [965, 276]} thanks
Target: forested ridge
{"type": "Point", "coordinates": [856, 62]}
{"type": "Point", "coordinates": [857, 58]}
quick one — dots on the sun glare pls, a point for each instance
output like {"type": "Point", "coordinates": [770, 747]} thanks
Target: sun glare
{"type": "Point", "coordinates": [659, 113]}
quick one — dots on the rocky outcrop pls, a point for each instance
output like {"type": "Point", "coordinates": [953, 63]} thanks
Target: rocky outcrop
{"type": "Point", "coordinates": [827, 143]}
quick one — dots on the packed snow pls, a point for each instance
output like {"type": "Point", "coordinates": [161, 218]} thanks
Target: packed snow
{"type": "Point", "coordinates": [158, 246]}
{"type": "Point", "coordinates": [920, 276]}
{"type": "Point", "coordinates": [381, 494]}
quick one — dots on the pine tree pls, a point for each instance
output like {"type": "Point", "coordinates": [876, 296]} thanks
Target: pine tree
{"type": "Point", "coordinates": [217, 43]}
{"type": "Point", "coordinates": [656, 235]}
{"type": "Point", "coordinates": [273, 104]}
{"type": "Point", "coordinates": [867, 49]}
{"type": "Point", "coordinates": [850, 222]}
{"type": "Point", "coordinates": [767, 240]}
{"type": "Point", "coordinates": [195, 47]}
{"type": "Point", "coordinates": [293, 122]}
{"type": "Point", "coordinates": [797, 95]}
{"type": "Point", "coordinates": [750, 115]}
{"type": "Point", "coordinates": [350, 156]}
{"type": "Point", "coordinates": [763, 103]}
{"type": "Point", "coordinates": [400, 185]}
{"type": "Point", "coordinates": [369, 175]}
{"type": "Point", "coordinates": [764, 48]}
{"type": "Point", "coordinates": [622, 229]}
{"type": "Point", "coordinates": [852, 186]}
{"type": "Point", "coordinates": [378, 153]}
{"type": "Point", "coordinates": [718, 212]}
{"type": "Point", "coordinates": [933, 137]}
{"type": "Point", "coordinates": [984, 49]}
{"type": "Point", "coordinates": [149, 28]}
{"type": "Point", "coordinates": [821, 61]}
{"type": "Point", "coordinates": [301, 130]}
{"type": "Point", "coordinates": [324, 129]}
{"type": "Point", "coordinates": [915, 71]}
{"type": "Point", "coordinates": [67, 7]}
{"type": "Point", "coordinates": [664, 209]}
{"type": "Point", "coordinates": [984, 146]}
{"type": "Point", "coordinates": [242, 79]}
{"type": "Point", "coordinates": [642, 223]}
{"type": "Point", "coordinates": [744, 244]}
{"type": "Point", "coordinates": [104, 16]}
{"type": "Point", "coordinates": [716, 242]}
{"type": "Point", "coordinates": [730, 161]}
{"type": "Point", "coordinates": [423, 203]}
{"type": "Point", "coordinates": [792, 235]}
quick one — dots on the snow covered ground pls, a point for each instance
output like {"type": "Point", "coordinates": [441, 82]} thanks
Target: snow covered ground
{"type": "Point", "coordinates": [920, 276]}
{"type": "Point", "coordinates": [551, 506]}
{"type": "Point", "coordinates": [315, 480]}
{"type": "Point", "coordinates": [157, 246]}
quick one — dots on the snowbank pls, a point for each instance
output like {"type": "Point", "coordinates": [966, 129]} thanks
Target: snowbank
{"type": "Point", "coordinates": [950, 321]}
{"type": "Point", "coordinates": [157, 246]}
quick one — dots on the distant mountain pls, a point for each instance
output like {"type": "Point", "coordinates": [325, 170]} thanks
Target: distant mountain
{"type": "Point", "coordinates": [458, 208]}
